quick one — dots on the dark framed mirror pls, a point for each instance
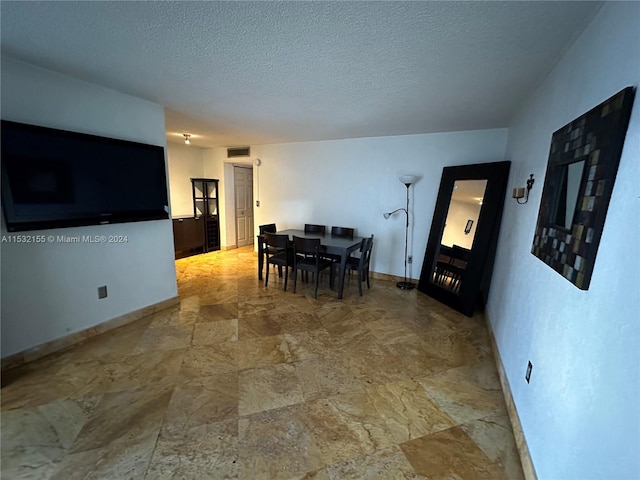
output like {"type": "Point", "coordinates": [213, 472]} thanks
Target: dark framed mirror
{"type": "Point", "coordinates": [581, 171]}
{"type": "Point", "coordinates": [464, 233]}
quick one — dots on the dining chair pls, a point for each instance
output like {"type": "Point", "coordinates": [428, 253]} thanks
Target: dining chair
{"type": "Point", "coordinates": [308, 258]}
{"type": "Point", "coordinates": [345, 232]}
{"type": "Point", "coordinates": [271, 228]}
{"type": "Point", "coordinates": [342, 232]}
{"type": "Point", "coordinates": [360, 264]}
{"type": "Point", "coordinates": [311, 228]}
{"type": "Point", "coordinates": [267, 227]}
{"type": "Point", "coordinates": [279, 252]}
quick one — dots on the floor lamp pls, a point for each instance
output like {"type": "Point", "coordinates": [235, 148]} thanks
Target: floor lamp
{"type": "Point", "coordinates": [408, 180]}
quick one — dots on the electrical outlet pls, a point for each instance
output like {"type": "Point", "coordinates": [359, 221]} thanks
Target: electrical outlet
{"type": "Point", "coordinates": [409, 259]}
{"type": "Point", "coordinates": [527, 375]}
{"type": "Point", "coordinates": [102, 292]}
{"type": "Point", "coordinates": [257, 203]}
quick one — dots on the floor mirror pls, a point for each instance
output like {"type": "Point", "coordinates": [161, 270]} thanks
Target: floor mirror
{"type": "Point", "coordinates": [459, 259]}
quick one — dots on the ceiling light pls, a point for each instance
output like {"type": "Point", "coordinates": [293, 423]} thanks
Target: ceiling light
{"type": "Point", "coordinates": [186, 138]}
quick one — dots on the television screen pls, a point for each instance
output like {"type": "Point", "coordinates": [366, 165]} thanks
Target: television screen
{"type": "Point", "coordinates": [54, 178]}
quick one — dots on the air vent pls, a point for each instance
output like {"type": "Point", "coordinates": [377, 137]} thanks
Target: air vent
{"type": "Point", "coordinates": [233, 152]}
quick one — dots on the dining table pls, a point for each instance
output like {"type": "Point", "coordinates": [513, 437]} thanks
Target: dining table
{"type": "Point", "coordinates": [342, 246]}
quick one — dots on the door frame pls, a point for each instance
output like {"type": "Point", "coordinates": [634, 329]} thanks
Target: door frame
{"type": "Point", "coordinates": [248, 166]}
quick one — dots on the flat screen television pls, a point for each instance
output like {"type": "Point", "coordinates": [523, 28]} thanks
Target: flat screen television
{"type": "Point", "coordinates": [55, 178]}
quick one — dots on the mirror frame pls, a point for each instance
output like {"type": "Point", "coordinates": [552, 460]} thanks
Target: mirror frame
{"type": "Point", "coordinates": [478, 272]}
{"type": "Point", "coordinates": [598, 138]}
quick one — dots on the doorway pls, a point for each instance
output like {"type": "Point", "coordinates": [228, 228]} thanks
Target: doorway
{"type": "Point", "coordinates": [243, 187]}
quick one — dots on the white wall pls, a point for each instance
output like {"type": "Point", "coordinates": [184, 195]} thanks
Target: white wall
{"type": "Point", "coordinates": [184, 163]}
{"type": "Point", "coordinates": [50, 290]}
{"type": "Point", "coordinates": [351, 183]}
{"type": "Point", "coordinates": [580, 414]}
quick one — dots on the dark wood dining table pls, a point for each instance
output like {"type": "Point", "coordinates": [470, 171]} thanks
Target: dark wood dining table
{"type": "Point", "coordinates": [333, 245]}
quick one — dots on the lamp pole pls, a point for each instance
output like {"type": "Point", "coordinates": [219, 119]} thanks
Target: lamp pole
{"type": "Point", "coordinates": [406, 285]}
{"type": "Point", "coordinates": [408, 180]}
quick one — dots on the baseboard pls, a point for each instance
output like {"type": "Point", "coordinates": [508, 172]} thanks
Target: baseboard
{"type": "Point", "coordinates": [58, 344]}
{"type": "Point", "coordinates": [521, 442]}
{"type": "Point", "coordinates": [228, 247]}
{"type": "Point", "coordinates": [391, 278]}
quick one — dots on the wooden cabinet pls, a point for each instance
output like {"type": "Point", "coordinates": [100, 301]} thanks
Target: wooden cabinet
{"type": "Point", "coordinates": [188, 236]}
{"type": "Point", "coordinates": [205, 207]}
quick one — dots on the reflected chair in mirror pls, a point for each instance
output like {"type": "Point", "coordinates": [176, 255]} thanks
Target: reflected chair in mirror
{"type": "Point", "coordinates": [311, 228]}
{"type": "Point", "coordinates": [361, 263]}
{"type": "Point", "coordinates": [308, 258]}
{"type": "Point", "coordinates": [344, 232]}
{"type": "Point", "coordinates": [271, 228]}
{"type": "Point", "coordinates": [279, 251]}
{"type": "Point", "coordinates": [448, 276]}
{"type": "Point", "coordinates": [450, 267]}
{"type": "Point", "coordinates": [460, 256]}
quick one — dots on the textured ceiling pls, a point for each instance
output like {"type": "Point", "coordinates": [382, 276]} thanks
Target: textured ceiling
{"type": "Point", "coordinates": [240, 73]}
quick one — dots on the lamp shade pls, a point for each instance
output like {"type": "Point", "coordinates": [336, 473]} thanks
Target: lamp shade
{"type": "Point", "coordinates": [408, 180]}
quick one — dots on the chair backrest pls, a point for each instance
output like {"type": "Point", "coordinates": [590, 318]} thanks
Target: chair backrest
{"type": "Point", "coordinates": [366, 248]}
{"type": "Point", "coordinates": [345, 232]}
{"type": "Point", "coordinates": [311, 228]}
{"type": "Point", "coordinates": [277, 241]}
{"type": "Point", "coordinates": [460, 255]}
{"type": "Point", "coordinates": [269, 227]}
{"type": "Point", "coordinates": [306, 246]}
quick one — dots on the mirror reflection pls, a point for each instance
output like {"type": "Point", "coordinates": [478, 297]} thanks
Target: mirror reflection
{"type": "Point", "coordinates": [458, 234]}
{"type": "Point", "coordinates": [568, 194]}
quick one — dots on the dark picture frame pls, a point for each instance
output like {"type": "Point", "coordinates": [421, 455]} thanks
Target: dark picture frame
{"type": "Point", "coordinates": [468, 227]}
{"type": "Point", "coordinates": [586, 153]}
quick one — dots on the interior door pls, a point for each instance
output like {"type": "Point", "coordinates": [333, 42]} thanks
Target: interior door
{"type": "Point", "coordinates": [244, 205]}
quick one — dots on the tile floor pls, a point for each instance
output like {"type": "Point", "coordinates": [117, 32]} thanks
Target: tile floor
{"type": "Point", "coordinates": [246, 382]}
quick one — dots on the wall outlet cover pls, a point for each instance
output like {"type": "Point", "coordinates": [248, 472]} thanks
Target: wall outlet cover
{"type": "Point", "coordinates": [102, 292]}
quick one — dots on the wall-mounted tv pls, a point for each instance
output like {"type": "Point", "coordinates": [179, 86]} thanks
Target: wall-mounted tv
{"type": "Point", "coordinates": [55, 178]}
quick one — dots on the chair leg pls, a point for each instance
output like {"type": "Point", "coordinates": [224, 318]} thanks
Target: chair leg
{"type": "Point", "coordinates": [295, 279]}
{"type": "Point", "coordinates": [266, 278]}
{"type": "Point", "coordinates": [286, 277]}
{"type": "Point", "coordinates": [360, 280]}
{"type": "Point", "coordinates": [315, 293]}
{"type": "Point", "coordinates": [368, 285]}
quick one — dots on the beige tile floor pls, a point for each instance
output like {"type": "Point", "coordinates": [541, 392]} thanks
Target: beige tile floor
{"type": "Point", "coordinates": [246, 382]}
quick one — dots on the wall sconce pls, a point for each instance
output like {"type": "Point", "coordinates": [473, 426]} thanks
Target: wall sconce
{"type": "Point", "coordinates": [186, 139]}
{"type": "Point", "coordinates": [521, 192]}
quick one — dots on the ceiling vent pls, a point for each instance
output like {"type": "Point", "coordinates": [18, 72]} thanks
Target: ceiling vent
{"type": "Point", "coordinates": [233, 152]}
